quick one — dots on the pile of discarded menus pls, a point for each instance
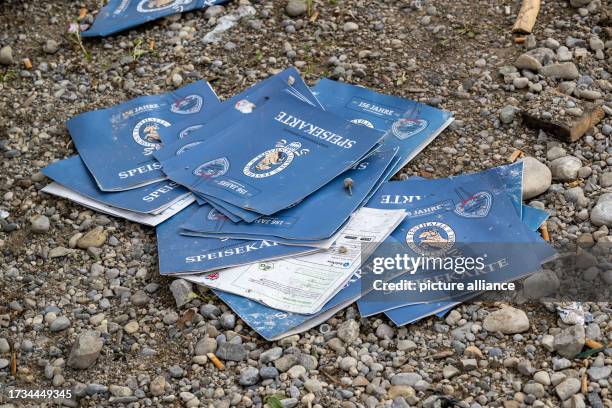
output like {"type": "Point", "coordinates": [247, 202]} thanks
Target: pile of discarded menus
{"type": "Point", "coordinates": [275, 197]}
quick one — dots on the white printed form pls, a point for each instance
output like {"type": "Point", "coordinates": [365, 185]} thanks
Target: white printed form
{"type": "Point", "coordinates": [305, 284]}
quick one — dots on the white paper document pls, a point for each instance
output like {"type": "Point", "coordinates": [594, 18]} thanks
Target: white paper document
{"type": "Point", "coordinates": [146, 219]}
{"type": "Point", "coordinates": [305, 284]}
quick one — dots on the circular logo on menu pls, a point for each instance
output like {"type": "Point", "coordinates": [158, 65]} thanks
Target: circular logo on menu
{"type": "Point", "coordinates": [363, 122]}
{"type": "Point", "coordinates": [404, 128]}
{"type": "Point", "coordinates": [213, 168]}
{"type": "Point", "coordinates": [149, 6]}
{"type": "Point", "coordinates": [431, 238]}
{"type": "Point", "coordinates": [187, 105]}
{"type": "Point", "coordinates": [187, 147]}
{"type": "Point", "coordinates": [188, 130]}
{"type": "Point", "coordinates": [146, 132]}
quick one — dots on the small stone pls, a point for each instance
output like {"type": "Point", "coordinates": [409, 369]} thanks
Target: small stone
{"type": "Point", "coordinates": [176, 371]}
{"type": "Point", "coordinates": [59, 324]}
{"type": "Point", "coordinates": [450, 371]}
{"type": "Point", "coordinates": [228, 320]}
{"type": "Point", "coordinates": [520, 83]}
{"type": "Point", "coordinates": [271, 355]}
{"type": "Point", "coordinates": [85, 350]}
{"type": "Point", "coordinates": [548, 342]}
{"type": "Point", "coordinates": [527, 61]}
{"type": "Point", "coordinates": [51, 46]}
{"type": "Point", "coordinates": [59, 252]}
{"type": "Point", "coordinates": [268, 372]}
{"type": "Point", "coordinates": [131, 327]}
{"type": "Point", "coordinates": [231, 352]}
{"type": "Point", "coordinates": [596, 43]}
{"type": "Point", "coordinates": [6, 55]}
{"type": "Point", "coordinates": [182, 291]}
{"type": "Point", "coordinates": [157, 386]}
{"type": "Point", "coordinates": [565, 70]}
{"type": "Point", "coordinates": [350, 26]}
{"type": "Point", "coordinates": [119, 391]}
{"type": "Point", "coordinates": [570, 341]}
{"type": "Point", "coordinates": [384, 331]}
{"type": "Point", "coordinates": [542, 377]}
{"type": "Point", "coordinates": [601, 214]}
{"type": "Point", "coordinates": [313, 385]}
{"type": "Point", "coordinates": [249, 376]}
{"type": "Point", "coordinates": [599, 373]}
{"type": "Point", "coordinates": [94, 238]}
{"type": "Point", "coordinates": [40, 224]}
{"type": "Point", "coordinates": [535, 389]}
{"type": "Point", "coordinates": [286, 362]}
{"type": "Point", "coordinates": [565, 168]}
{"type": "Point", "coordinates": [507, 114]}
{"type": "Point", "coordinates": [555, 152]}
{"type": "Point", "coordinates": [348, 362]}
{"type": "Point", "coordinates": [536, 177]}
{"type": "Point", "coordinates": [348, 331]}
{"type": "Point", "coordinates": [576, 195]}
{"type": "Point", "coordinates": [205, 346]}
{"type": "Point", "coordinates": [524, 367]}
{"type": "Point", "coordinates": [406, 379]}
{"type": "Point", "coordinates": [605, 179]}
{"type": "Point", "coordinates": [404, 391]}
{"type": "Point", "coordinates": [177, 80]}
{"type": "Point", "coordinates": [541, 284]}
{"type": "Point", "coordinates": [296, 8]}
{"type": "Point", "coordinates": [297, 371]}
{"type": "Point", "coordinates": [568, 388]}
{"type": "Point", "coordinates": [406, 345]}
{"type": "Point", "coordinates": [472, 352]}
{"type": "Point", "coordinates": [507, 321]}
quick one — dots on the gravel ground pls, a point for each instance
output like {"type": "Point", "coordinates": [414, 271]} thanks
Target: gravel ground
{"type": "Point", "coordinates": [101, 321]}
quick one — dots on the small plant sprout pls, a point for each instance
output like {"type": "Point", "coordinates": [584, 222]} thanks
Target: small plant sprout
{"type": "Point", "coordinates": [74, 31]}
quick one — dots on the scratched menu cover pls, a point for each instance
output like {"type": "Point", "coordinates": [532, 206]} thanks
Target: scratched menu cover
{"type": "Point", "coordinates": [117, 143]}
{"type": "Point", "coordinates": [274, 158]}
{"type": "Point", "coordinates": [119, 15]}
{"type": "Point", "coordinates": [407, 124]}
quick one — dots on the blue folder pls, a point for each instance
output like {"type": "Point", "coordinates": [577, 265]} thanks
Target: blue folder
{"type": "Point", "coordinates": [273, 159]}
{"type": "Point", "coordinates": [180, 254]}
{"type": "Point", "coordinates": [482, 220]}
{"type": "Point", "coordinates": [116, 144]}
{"type": "Point", "coordinates": [150, 199]}
{"type": "Point", "coordinates": [119, 15]}
{"type": "Point", "coordinates": [317, 217]}
{"type": "Point", "coordinates": [196, 128]}
{"type": "Point", "coordinates": [408, 124]}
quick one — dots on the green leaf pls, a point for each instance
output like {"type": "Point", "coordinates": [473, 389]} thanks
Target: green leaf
{"type": "Point", "coordinates": [274, 402]}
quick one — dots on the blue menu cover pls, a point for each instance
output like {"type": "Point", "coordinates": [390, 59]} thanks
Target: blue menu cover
{"type": "Point", "coordinates": [305, 221]}
{"type": "Point", "coordinates": [119, 15]}
{"type": "Point", "coordinates": [445, 221]}
{"type": "Point", "coordinates": [180, 254]}
{"type": "Point", "coordinates": [232, 109]}
{"type": "Point", "coordinates": [407, 124]}
{"type": "Point", "coordinates": [273, 159]}
{"type": "Point", "coordinates": [234, 213]}
{"type": "Point", "coordinates": [116, 144]}
{"type": "Point", "coordinates": [72, 174]}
